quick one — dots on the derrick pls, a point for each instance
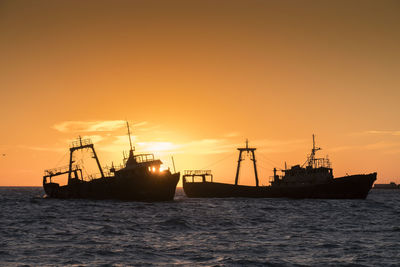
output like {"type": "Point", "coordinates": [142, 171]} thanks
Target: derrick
{"type": "Point", "coordinates": [78, 145]}
{"type": "Point", "coordinates": [252, 157]}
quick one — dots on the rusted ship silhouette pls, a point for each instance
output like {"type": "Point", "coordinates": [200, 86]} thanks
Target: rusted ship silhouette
{"type": "Point", "coordinates": [312, 180]}
{"type": "Point", "coordinates": [139, 179]}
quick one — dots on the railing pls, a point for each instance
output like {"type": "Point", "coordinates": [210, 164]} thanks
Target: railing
{"type": "Point", "coordinates": [203, 174]}
{"type": "Point", "coordinates": [196, 172]}
{"type": "Point", "coordinates": [81, 142]}
{"type": "Point", "coordinates": [58, 170]}
{"type": "Point", "coordinates": [321, 162]}
{"type": "Point", "coordinates": [92, 176]}
{"type": "Point", "coordinates": [110, 170]}
{"type": "Point", "coordinates": [144, 158]}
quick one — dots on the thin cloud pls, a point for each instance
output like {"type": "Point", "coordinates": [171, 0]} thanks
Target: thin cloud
{"type": "Point", "coordinates": [124, 140]}
{"type": "Point", "coordinates": [204, 146]}
{"type": "Point", "coordinates": [382, 146]}
{"type": "Point", "coordinates": [342, 148]}
{"type": "Point", "coordinates": [139, 124]}
{"type": "Point", "coordinates": [232, 134]}
{"type": "Point", "coordinates": [396, 133]}
{"type": "Point", "coordinates": [44, 149]}
{"type": "Point", "coordinates": [92, 126]}
{"type": "Point", "coordinates": [267, 145]}
{"type": "Point", "coordinates": [147, 129]}
{"type": "Point", "coordinates": [157, 146]}
{"type": "Point", "coordinates": [218, 146]}
{"type": "Point", "coordinates": [115, 143]}
{"type": "Point", "coordinates": [57, 148]}
{"type": "Point", "coordinates": [392, 151]}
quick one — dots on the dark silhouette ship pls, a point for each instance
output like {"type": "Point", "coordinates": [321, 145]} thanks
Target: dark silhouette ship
{"type": "Point", "coordinates": [391, 185]}
{"type": "Point", "coordinates": [139, 179]}
{"type": "Point", "coordinates": [312, 180]}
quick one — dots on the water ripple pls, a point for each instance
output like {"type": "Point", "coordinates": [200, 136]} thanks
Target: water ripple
{"type": "Point", "coordinates": [204, 232]}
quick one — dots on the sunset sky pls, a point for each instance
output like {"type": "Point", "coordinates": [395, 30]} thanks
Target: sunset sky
{"type": "Point", "coordinates": [195, 79]}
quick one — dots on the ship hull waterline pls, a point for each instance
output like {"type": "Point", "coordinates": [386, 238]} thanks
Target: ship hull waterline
{"type": "Point", "coordinates": [117, 188]}
{"type": "Point", "coordinates": [348, 187]}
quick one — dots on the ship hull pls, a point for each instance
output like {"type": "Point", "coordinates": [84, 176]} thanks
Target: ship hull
{"type": "Point", "coordinates": [127, 188]}
{"type": "Point", "coordinates": [348, 187]}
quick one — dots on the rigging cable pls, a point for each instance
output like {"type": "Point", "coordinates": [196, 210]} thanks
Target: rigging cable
{"type": "Point", "coordinates": [61, 159]}
{"type": "Point", "coordinates": [273, 163]}
{"type": "Point", "coordinates": [218, 161]}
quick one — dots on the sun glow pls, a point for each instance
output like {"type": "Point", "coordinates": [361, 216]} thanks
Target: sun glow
{"type": "Point", "coordinates": [164, 168]}
{"type": "Point", "coordinates": [157, 146]}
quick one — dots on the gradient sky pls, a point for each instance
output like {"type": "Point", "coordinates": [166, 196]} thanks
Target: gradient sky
{"type": "Point", "coordinates": [196, 78]}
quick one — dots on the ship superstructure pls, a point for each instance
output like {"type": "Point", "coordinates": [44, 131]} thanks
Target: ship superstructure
{"type": "Point", "coordinates": [313, 171]}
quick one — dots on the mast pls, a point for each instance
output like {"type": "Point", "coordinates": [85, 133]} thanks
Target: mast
{"type": "Point", "coordinates": [173, 163]}
{"type": "Point", "coordinates": [314, 149]}
{"type": "Point", "coordinates": [130, 141]}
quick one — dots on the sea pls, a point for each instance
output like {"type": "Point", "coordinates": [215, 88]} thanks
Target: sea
{"type": "Point", "coordinates": [37, 231]}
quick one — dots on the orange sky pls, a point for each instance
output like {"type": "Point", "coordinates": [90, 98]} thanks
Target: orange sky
{"type": "Point", "coordinates": [196, 78]}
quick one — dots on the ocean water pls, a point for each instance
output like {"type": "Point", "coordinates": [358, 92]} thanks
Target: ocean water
{"type": "Point", "coordinates": [35, 231]}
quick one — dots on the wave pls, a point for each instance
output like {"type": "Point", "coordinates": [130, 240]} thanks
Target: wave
{"type": "Point", "coordinates": [198, 232]}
